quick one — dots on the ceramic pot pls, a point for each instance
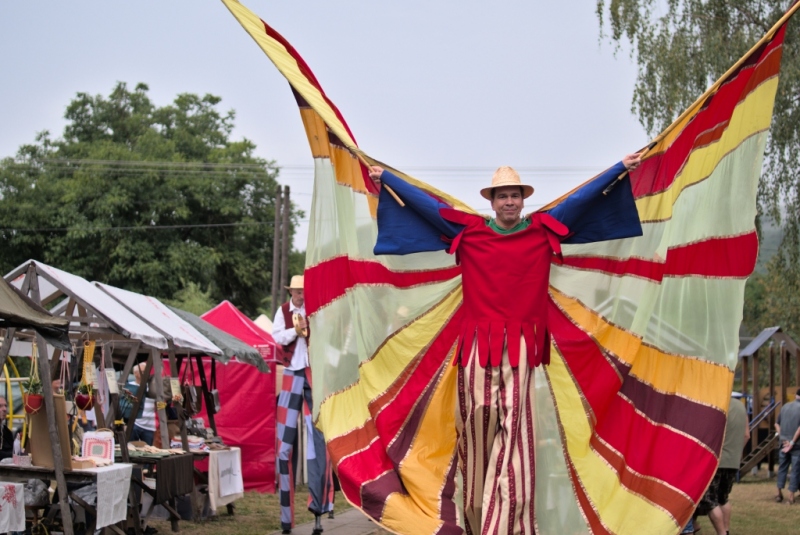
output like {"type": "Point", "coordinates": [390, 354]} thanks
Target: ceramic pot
{"type": "Point", "coordinates": [33, 403]}
{"type": "Point", "coordinates": [84, 401]}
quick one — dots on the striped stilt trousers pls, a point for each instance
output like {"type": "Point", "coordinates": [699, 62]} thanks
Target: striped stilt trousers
{"type": "Point", "coordinates": [295, 396]}
{"type": "Point", "coordinates": [496, 446]}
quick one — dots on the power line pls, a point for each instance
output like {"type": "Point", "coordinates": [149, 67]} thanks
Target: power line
{"type": "Point", "coordinates": [136, 228]}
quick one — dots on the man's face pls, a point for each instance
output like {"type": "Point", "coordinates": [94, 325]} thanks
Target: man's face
{"type": "Point", "coordinates": [297, 297]}
{"type": "Point", "coordinates": [3, 408]}
{"type": "Point", "coordinates": [507, 205]}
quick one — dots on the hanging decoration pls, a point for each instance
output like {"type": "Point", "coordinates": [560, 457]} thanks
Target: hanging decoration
{"type": "Point", "coordinates": [87, 393]}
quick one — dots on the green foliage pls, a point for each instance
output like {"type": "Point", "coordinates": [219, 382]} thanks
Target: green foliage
{"type": "Point", "coordinates": [192, 299]}
{"type": "Point", "coordinates": [681, 48]}
{"type": "Point", "coordinates": [774, 299]}
{"type": "Point", "coordinates": [33, 386]}
{"type": "Point", "coordinates": [119, 196]}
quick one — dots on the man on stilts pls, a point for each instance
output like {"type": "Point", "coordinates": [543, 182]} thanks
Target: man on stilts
{"type": "Point", "coordinates": [290, 330]}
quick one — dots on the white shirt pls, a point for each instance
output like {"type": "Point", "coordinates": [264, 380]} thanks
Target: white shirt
{"type": "Point", "coordinates": [285, 336]}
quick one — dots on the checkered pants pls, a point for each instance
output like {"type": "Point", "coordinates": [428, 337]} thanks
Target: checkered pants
{"type": "Point", "coordinates": [296, 396]}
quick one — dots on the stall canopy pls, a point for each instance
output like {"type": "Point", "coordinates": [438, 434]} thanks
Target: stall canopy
{"type": "Point", "coordinates": [230, 345]}
{"type": "Point", "coordinates": [83, 293]}
{"type": "Point", "coordinates": [155, 313]}
{"type": "Point", "coordinates": [228, 318]}
{"type": "Point", "coordinates": [18, 310]}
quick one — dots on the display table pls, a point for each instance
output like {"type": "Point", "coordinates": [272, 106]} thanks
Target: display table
{"type": "Point", "coordinates": [12, 507]}
{"type": "Point", "coordinates": [223, 471]}
{"type": "Point", "coordinates": [113, 484]}
{"type": "Point", "coordinates": [174, 476]}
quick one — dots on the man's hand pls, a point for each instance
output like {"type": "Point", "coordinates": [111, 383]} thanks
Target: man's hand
{"type": "Point", "coordinates": [787, 446]}
{"type": "Point", "coordinates": [301, 326]}
{"type": "Point", "coordinates": [632, 161]}
{"type": "Point", "coordinates": [375, 173]}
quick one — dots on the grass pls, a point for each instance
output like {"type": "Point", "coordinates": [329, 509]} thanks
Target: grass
{"type": "Point", "coordinates": [255, 514]}
{"type": "Point", "coordinates": [754, 512]}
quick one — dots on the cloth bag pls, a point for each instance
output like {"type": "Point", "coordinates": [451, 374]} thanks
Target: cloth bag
{"type": "Point", "coordinates": [192, 398]}
{"type": "Point", "coordinates": [212, 396]}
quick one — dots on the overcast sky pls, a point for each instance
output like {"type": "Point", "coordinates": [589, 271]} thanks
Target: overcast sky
{"type": "Point", "coordinates": [446, 91]}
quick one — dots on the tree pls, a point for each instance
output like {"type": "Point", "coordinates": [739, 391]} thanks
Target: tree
{"type": "Point", "coordinates": [682, 47]}
{"type": "Point", "coordinates": [157, 200]}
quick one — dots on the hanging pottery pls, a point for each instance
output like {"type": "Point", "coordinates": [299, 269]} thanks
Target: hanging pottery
{"type": "Point", "coordinates": [33, 403]}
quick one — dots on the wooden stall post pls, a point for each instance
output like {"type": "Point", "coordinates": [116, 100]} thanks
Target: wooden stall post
{"type": "Point", "coordinates": [6, 347]}
{"type": "Point", "coordinates": [173, 372]}
{"type": "Point", "coordinates": [772, 396]}
{"type": "Point", "coordinates": [155, 357]}
{"type": "Point", "coordinates": [756, 401]}
{"type": "Point", "coordinates": [139, 394]}
{"type": "Point", "coordinates": [47, 389]}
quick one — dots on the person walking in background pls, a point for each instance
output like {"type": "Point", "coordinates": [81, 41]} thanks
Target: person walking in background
{"type": "Point", "coordinates": [716, 502]}
{"type": "Point", "coordinates": [144, 428]}
{"type": "Point", "coordinates": [290, 330]}
{"type": "Point", "coordinates": [788, 429]}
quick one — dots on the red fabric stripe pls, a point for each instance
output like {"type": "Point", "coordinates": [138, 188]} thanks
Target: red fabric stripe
{"type": "Point", "coordinates": [649, 449]}
{"type": "Point", "coordinates": [390, 416]}
{"type": "Point", "coordinates": [657, 451]}
{"type": "Point", "coordinates": [715, 257]}
{"type": "Point", "coordinates": [330, 279]}
{"type": "Point", "coordinates": [306, 71]}
{"type": "Point", "coordinates": [657, 173]}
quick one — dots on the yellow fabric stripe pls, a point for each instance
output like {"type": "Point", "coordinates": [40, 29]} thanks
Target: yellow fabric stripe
{"type": "Point", "coordinates": [691, 378]}
{"type": "Point", "coordinates": [287, 65]}
{"type": "Point", "coordinates": [347, 410]}
{"type": "Point", "coordinates": [752, 115]}
{"type": "Point", "coordinates": [621, 511]}
{"type": "Point", "coordinates": [424, 469]}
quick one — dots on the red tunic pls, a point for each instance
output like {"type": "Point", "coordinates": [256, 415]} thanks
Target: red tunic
{"type": "Point", "coordinates": [505, 281]}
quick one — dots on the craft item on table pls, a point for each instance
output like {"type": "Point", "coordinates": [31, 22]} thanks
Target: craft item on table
{"type": "Point", "coordinates": [21, 460]}
{"type": "Point", "coordinates": [113, 484]}
{"type": "Point", "coordinates": [82, 463]}
{"type": "Point", "coordinates": [12, 507]}
{"type": "Point", "coordinates": [195, 443]}
{"type": "Point", "coordinates": [99, 444]}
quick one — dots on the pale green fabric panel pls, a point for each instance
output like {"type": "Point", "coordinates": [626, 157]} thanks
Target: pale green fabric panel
{"type": "Point", "coordinates": [699, 317]}
{"type": "Point", "coordinates": [724, 204]}
{"type": "Point", "coordinates": [556, 506]}
{"type": "Point", "coordinates": [341, 224]}
{"type": "Point", "coordinates": [353, 327]}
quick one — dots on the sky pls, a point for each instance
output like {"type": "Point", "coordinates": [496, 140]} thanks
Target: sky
{"type": "Point", "coordinates": [446, 91]}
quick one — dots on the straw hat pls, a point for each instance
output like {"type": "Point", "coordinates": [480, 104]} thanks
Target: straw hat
{"type": "Point", "coordinates": [506, 176]}
{"type": "Point", "coordinates": [296, 284]}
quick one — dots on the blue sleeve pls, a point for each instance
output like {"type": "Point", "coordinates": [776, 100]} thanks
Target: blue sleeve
{"type": "Point", "coordinates": [592, 215]}
{"type": "Point", "coordinates": [415, 228]}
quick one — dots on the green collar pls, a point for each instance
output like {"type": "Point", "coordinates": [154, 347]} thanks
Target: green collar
{"type": "Point", "coordinates": [526, 221]}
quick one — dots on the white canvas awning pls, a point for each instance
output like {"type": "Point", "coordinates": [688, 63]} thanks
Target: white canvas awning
{"type": "Point", "coordinates": [100, 303]}
{"type": "Point", "coordinates": [154, 312]}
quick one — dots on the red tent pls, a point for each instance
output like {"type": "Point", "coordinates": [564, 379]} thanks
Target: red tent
{"type": "Point", "coordinates": [247, 396]}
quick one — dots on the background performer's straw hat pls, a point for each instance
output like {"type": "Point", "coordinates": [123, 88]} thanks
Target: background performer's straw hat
{"type": "Point", "coordinates": [506, 176]}
{"type": "Point", "coordinates": [296, 284]}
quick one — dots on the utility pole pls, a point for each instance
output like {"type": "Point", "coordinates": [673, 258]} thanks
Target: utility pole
{"type": "Point", "coordinates": [276, 252]}
{"type": "Point", "coordinates": [285, 243]}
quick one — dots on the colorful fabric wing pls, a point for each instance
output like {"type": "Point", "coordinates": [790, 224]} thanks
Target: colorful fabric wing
{"type": "Point", "coordinates": [645, 330]}
{"type": "Point", "coordinates": [630, 412]}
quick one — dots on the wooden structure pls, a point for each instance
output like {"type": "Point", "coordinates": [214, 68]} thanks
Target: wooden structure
{"type": "Point", "coordinates": [94, 314]}
{"type": "Point", "coordinates": [768, 393]}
